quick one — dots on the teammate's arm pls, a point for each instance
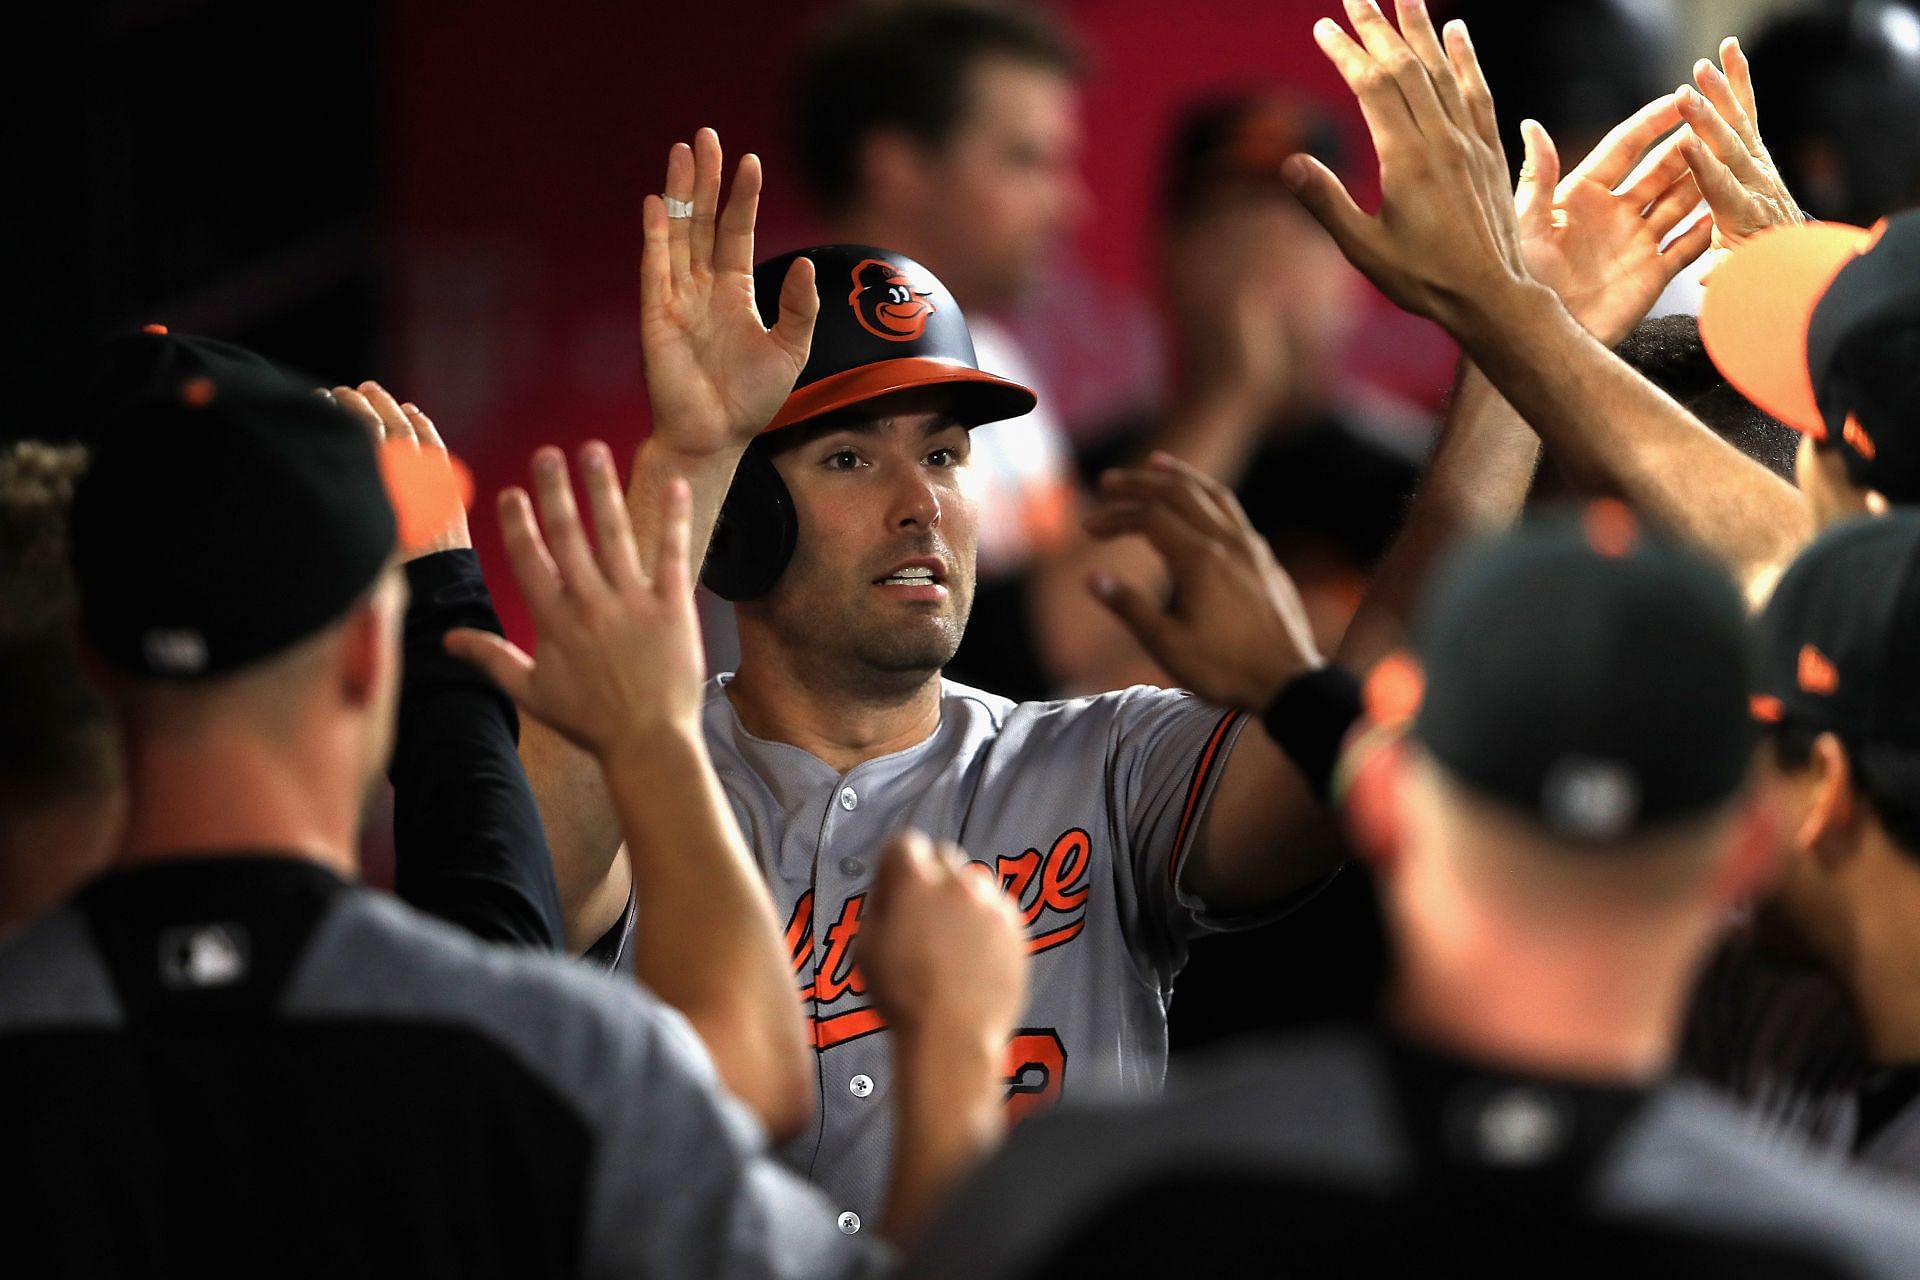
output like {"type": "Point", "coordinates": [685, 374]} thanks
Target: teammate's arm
{"type": "Point", "coordinates": [619, 675]}
{"type": "Point", "coordinates": [715, 377]}
{"type": "Point", "coordinates": [1599, 237]}
{"type": "Point", "coordinates": [468, 846]}
{"type": "Point", "coordinates": [1446, 245]}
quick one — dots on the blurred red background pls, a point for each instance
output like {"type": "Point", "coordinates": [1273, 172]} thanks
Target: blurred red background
{"type": "Point", "coordinates": [520, 140]}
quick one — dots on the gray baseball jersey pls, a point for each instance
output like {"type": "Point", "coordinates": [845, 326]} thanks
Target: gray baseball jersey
{"type": "Point", "coordinates": [1085, 808]}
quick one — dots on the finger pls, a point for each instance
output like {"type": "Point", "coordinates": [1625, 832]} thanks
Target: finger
{"type": "Point", "coordinates": [1711, 128]}
{"type": "Point", "coordinates": [1726, 195]}
{"type": "Point", "coordinates": [1613, 158]}
{"type": "Point", "coordinates": [1188, 500]}
{"type": "Point", "coordinates": [503, 662]}
{"type": "Point", "coordinates": [1739, 74]}
{"type": "Point", "coordinates": [1325, 197]}
{"type": "Point", "coordinates": [1685, 249]}
{"type": "Point", "coordinates": [1177, 541]}
{"type": "Point", "coordinates": [1720, 93]}
{"type": "Point", "coordinates": [1473, 89]}
{"type": "Point", "coordinates": [1141, 616]}
{"type": "Point", "coordinates": [706, 198]}
{"type": "Point", "coordinates": [1663, 166]}
{"type": "Point", "coordinates": [393, 419]}
{"type": "Point", "coordinates": [679, 232]}
{"type": "Point", "coordinates": [908, 856]}
{"type": "Point", "coordinates": [1227, 500]}
{"type": "Point", "coordinates": [1388, 118]}
{"type": "Point", "coordinates": [672, 566]}
{"type": "Point", "coordinates": [560, 521]}
{"type": "Point", "coordinates": [527, 554]}
{"type": "Point", "coordinates": [619, 554]}
{"type": "Point", "coordinates": [1391, 54]}
{"type": "Point", "coordinates": [1416, 28]}
{"type": "Point", "coordinates": [733, 245]}
{"type": "Point", "coordinates": [1539, 176]}
{"type": "Point", "coordinates": [423, 426]}
{"type": "Point", "coordinates": [1680, 198]}
{"type": "Point", "coordinates": [656, 255]}
{"type": "Point", "coordinates": [799, 304]}
{"type": "Point", "coordinates": [356, 404]}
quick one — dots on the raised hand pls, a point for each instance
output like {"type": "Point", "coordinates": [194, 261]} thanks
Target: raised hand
{"type": "Point", "coordinates": [402, 426]}
{"type": "Point", "coordinates": [1236, 630]}
{"type": "Point", "coordinates": [618, 660]}
{"type": "Point", "coordinates": [715, 374]}
{"type": "Point", "coordinates": [1742, 185]}
{"type": "Point", "coordinates": [1595, 235]}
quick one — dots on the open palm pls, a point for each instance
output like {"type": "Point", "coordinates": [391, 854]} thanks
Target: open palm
{"type": "Point", "coordinates": [715, 374]}
{"type": "Point", "coordinates": [1595, 235]}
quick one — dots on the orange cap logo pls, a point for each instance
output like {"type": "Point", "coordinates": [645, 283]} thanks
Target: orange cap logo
{"type": "Point", "coordinates": [1817, 672]}
{"type": "Point", "coordinates": [1856, 435]}
{"type": "Point", "coordinates": [886, 303]}
{"type": "Point", "coordinates": [1766, 707]}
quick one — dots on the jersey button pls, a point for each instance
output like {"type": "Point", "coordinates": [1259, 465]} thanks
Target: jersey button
{"type": "Point", "coordinates": [860, 1086]}
{"type": "Point", "coordinates": [851, 866]}
{"type": "Point", "coordinates": [849, 1223]}
{"type": "Point", "coordinates": [849, 798]}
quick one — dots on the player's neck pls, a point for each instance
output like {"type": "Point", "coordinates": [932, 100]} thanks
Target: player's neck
{"type": "Point", "coordinates": [1883, 969]}
{"type": "Point", "coordinates": [842, 726]}
{"type": "Point", "coordinates": [212, 795]}
{"type": "Point", "coordinates": [1601, 1007]}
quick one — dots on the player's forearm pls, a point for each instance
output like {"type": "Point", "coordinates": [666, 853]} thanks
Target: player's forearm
{"type": "Point", "coordinates": [583, 832]}
{"type": "Point", "coordinates": [949, 1116]}
{"type": "Point", "coordinates": [708, 475]}
{"type": "Point", "coordinates": [1475, 483]}
{"type": "Point", "coordinates": [1584, 401]}
{"type": "Point", "coordinates": [705, 935]}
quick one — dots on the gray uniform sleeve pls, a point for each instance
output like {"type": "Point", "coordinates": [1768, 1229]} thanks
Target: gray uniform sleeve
{"type": "Point", "coordinates": [1166, 753]}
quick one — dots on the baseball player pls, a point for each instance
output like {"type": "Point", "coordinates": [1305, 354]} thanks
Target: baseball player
{"type": "Point", "coordinates": [827, 396]}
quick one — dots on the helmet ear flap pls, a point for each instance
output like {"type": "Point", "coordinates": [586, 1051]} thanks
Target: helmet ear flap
{"type": "Point", "coordinates": [755, 535]}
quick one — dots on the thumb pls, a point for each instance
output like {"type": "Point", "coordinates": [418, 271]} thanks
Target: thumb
{"type": "Point", "coordinates": [1539, 176]}
{"type": "Point", "coordinates": [906, 857]}
{"type": "Point", "coordinates": [1141, 616]}
{"type": "Point", "coordinates": [503, 662]}
{"type": "Point", "coordinates": [799, 304]}
{"type": "Point", "coordinates": [1321, 194]}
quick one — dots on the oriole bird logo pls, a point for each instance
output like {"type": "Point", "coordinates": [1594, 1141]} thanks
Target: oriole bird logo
{"type": "Point", "coordinates": [886, 303]}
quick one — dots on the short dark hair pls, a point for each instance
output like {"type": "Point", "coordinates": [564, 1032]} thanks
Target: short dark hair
{"type": "Point", "coordinates": [60, 739]}
{"type": "Point", "coordinates": [849, 78]}
{"type": "Point", "coordinates": [1881, 776]}
{"type": "Point", "coordinates": [1667, 351]}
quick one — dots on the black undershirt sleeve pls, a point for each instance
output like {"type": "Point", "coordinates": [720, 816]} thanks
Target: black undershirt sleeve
{"type": "Point", "coordinates": [468, 844]}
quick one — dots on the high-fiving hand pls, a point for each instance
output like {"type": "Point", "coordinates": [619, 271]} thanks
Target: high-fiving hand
{"type": "Point", "coordinates": [1236, 630]}
{"type": "Point", "coordinates": [715, 374]}
{"type": "Point", "coordinates": [394, 425]}
{"type": "Point", "coordinates": [1446, 235]}
{"type": "Point", "coordinates": [1739, 179]}
{"type": "Point", "coordinates": [1595, 235]}
{"type": "Point", "coordinates": [618, 659]}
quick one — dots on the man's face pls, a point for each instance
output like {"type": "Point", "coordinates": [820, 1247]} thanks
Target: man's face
{"type": "Point", "coordinates": [881, 579]}
{"type": "Point", "coordinates": [1006, 186]}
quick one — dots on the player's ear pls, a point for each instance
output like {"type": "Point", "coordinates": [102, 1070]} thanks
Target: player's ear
{"type": "Point", "coordinates": [1373, 803]}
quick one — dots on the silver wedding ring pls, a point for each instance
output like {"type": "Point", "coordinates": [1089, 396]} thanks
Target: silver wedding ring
{"type": "Point", "coordinates": [678, 208]}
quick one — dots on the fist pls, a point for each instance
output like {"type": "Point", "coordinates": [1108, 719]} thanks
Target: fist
{"type": "Point", "coordinates": [941, 946]}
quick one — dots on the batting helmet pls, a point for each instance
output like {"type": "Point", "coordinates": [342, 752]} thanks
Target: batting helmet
{"type": "Point", "coordinates": [886, 325]}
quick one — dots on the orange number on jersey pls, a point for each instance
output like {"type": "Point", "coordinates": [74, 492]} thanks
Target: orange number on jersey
{"type": "Point", "coordinates": [1036, 1071]}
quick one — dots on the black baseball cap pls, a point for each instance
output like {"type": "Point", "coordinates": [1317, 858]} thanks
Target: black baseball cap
{"type": "Point", "coordinates": [227, 512]}
{"type": "Point", "coordinates": [1840, 641]}
{"type": "Point", "coordinates": [1588, 674]}
{"type": "Point", "coordinates": [1819, 325]}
